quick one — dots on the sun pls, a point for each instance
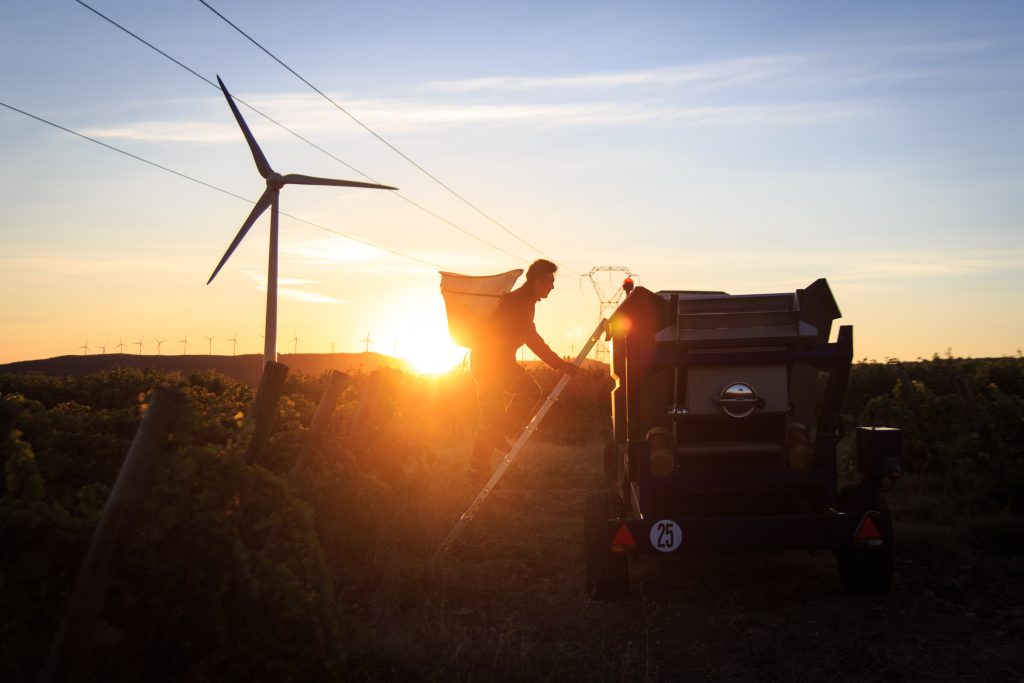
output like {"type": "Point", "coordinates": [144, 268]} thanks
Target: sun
{"type": "Point", "coordinates": [418, 325]}
{"type": "Point", "coordinates": [433, 354]}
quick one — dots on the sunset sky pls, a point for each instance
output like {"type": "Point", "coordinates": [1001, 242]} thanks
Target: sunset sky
{"type": "Point", "coordinates": [742, 146]}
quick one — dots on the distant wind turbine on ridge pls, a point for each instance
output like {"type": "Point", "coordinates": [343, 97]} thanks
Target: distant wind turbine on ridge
{"type": "Point", "coordinates": [184, 345]}
{"type": "Point", "coordinates": [234, 343]}
{"type": "Point", "coordinates": [210, 339]}
{"type": "Point", "coordinates": [84, 348]}
{"type": "Point", "coordinates": [270, 198]}
{"type": "Point", "coordinates": [159, 343]}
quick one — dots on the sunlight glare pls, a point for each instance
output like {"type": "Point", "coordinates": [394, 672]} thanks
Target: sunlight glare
{"type": "Point", "coordinates": [425, 343]}
{"type": "Point", "coordinates": [434, 355]}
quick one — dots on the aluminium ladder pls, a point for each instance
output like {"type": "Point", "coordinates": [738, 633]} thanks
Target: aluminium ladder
{"type": "Point", "coordinates": [510, 457]}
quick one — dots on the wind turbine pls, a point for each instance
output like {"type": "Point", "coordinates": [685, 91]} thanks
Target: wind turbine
{"type": "Point", "coordinates": [270, 198]}
{"type": "Point", "coordinates": [234, 343]}
{"type": "Point", "coordinates": [84, 348]}
{"type": "Point", "coordinates": [159, 343]}
{"type": "Point", "coordinates": [120, 345]}
{"type": "Point", "coordinates": [102, 347]}
{"type": "Point", "coordinates": [184, 345]}
{"type": "Point", "coordinates": [296, 343]}
{"type": "Point", "coordinates": [368, 342]}
{"type": "Point", "coordinates": [140, 345]}
{"type": "Point", "coordinates": [210, 339]}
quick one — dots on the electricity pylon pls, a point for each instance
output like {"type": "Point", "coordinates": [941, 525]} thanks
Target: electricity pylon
{"type": "Point", "coordinates": [608, 295]}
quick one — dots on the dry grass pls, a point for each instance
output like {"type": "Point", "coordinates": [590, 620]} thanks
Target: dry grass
{"type": "Point", "coordinates": [507, 603]}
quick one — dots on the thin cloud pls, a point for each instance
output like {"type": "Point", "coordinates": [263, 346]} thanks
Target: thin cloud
{"type": "Point", "coordinates": [286, 290]}
{"type": "Point", "coordinates": [166, 131]}
{"type": "Point", "coordinates": [916, 265]}
{"type": "Point", "coordinates": [949, 48]}
{"type": "Point", "coordinates": [334, 253]}
{"type": "Point", "coordinates": [733, 71]}
{"type": "Point", "coordinates": [307, 297]}
{"type": "Point", "coordinates": [93, 264]}
{"type": "Point", "coordinates": [881, 63]}
{"type": "Point", "coordinates": [419, 116]}
{"type": "Point", "coordinates": [844, 265]}
{"type": "Point", "coordinates": [806, 77]}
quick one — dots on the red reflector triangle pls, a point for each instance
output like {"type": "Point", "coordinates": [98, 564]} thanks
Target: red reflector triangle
{"type": "Point", "coordinates": [867, 529]}
{"type": "Point", "coordinates": [623, 537]}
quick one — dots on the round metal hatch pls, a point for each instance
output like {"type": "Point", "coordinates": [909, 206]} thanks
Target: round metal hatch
{"type": "Point", "coordinates": [738, 399]}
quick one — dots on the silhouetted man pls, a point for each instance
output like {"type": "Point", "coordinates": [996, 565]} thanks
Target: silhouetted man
{"type": "Point", "coordinates": [494, 367]}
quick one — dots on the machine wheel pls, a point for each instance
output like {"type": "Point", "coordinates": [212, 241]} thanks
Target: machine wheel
{"type": "Point", "coordinates": [867, 570]}
{"type": "Point", "coordinates": [606, 573]}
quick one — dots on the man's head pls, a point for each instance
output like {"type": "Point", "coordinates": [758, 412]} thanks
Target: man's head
{"type": "Point", "coordinates": [540, 277]}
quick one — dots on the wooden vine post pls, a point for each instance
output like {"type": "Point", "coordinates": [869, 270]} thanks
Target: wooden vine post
{"type": "Point", "coordinates": [264, 409]}
{"type": "Point", "coordinates": [328, 402]}
{"type": "Point", "coordinates": [71, 652]}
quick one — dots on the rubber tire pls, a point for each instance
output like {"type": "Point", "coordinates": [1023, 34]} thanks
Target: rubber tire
{"type": "Point", "coordinates": [867, 570]}
{"type": "Point", "coordinates": [611, 463]}
{"type": "Point", "coordinates": [606, 574]}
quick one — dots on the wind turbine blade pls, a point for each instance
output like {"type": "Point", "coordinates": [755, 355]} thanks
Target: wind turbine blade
{"type": "Point", "coordinates": [264, 201]}
{"type": "Point", "coordinates": [299, 179]}
{"type": "Point", "coordinates": [257, 154]}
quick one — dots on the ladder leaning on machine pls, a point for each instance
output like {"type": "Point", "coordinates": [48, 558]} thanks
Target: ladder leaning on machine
{"type": "Point", "coordinates": [524, 437]}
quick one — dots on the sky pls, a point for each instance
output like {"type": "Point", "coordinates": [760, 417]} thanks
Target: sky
{"type": "Point", "coordinates": [739, 146]}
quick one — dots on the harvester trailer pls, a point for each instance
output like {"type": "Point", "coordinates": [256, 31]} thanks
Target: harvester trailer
{"type": "Point", "coordinates": [725, 424]}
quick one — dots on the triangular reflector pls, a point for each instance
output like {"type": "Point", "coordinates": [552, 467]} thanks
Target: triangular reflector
{"type": "Point", "coordinates": [867, 530]}
{"type": "Point", "coordinates": [623, 537]}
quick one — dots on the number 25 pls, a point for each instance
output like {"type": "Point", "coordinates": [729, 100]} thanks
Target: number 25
{"type": "Point", "coordinates": [665, 535]}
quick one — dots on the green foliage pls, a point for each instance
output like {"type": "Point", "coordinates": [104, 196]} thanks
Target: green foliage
{"type": "Point", "coordinates": [237, 569]}
{"type": "Point", "coordinates": [583, 411]}
{"type": "Point", "coordinates": [958, 418]}
{"type": "Point", "coordinates": [224, 576]}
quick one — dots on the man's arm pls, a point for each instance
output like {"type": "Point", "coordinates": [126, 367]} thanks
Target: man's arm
{"type": "Point", "coordinates": [544, 352]}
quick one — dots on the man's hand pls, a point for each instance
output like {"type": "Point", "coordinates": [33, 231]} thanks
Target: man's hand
{"type": "Point", "coordinates": [569, 368]}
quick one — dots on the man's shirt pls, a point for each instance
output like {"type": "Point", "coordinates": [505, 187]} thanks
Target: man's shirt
{"type": "Point", "coordinates": [511, 326]}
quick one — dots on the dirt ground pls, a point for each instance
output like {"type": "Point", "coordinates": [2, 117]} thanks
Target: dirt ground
{"type": "Point", "coordinates": [509, 605]}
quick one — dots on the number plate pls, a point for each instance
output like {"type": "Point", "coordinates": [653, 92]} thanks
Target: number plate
{"type": "Point", "coordinates": [666, 536]}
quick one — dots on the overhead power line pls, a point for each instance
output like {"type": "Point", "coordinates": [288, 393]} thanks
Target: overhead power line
{"type": "Point", "coordinates": [375, 134]}
{"type": "Point", "coordinates": [298, 135]}
{"type": "Point", "coordinates": [214, 187]}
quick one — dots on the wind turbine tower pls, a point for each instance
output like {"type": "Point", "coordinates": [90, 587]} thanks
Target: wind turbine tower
{"type": "Point", "coordinates": [234, 343]}
{"type": "Point", "coordinates": [270, 199]}
{"type": "Point", "coordinates": [159, 344]}
{"type": "Point", "coordinates": [84, 348]}
{"type": "Point", "coordinates": [368, 341]}
{"type": "Point", "coordinates": [184, 345]}
{"type": "Point", "coordinates": [210, 339]}
{"type": "Point", "coordinates": [120, 345]}
{"type": "Point", "coordinates": [140, 345]}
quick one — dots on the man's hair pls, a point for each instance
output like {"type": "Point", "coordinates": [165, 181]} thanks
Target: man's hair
{"type": "Point", "coordinates": [540, 268]}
